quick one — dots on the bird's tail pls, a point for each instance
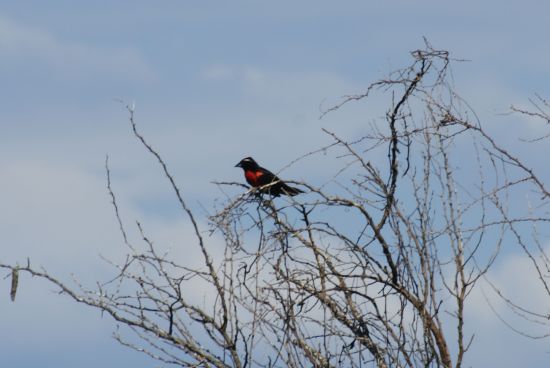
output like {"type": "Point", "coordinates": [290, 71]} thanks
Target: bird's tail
{"type": "Point", "coordinates": [291, 191]}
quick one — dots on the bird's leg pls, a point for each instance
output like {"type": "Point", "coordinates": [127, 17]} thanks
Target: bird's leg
{"type": "Point", "coordinates": [259, 195]}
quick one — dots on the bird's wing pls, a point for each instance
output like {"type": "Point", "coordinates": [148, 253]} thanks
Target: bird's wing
{"type": "Point", "coordinates": [267, 177]}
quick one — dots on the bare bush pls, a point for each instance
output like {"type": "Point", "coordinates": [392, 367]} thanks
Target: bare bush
{"type": "Point", "coordinates": [373, 266]}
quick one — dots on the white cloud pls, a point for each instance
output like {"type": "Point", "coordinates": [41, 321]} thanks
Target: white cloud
{"type": "Point", "coordinates": [218, 73]}
{"type": "Point", "coordinates": [38, 48]}
{"type": "Point", "coordinates": [514, 275]}
{"type": "Point", "coordinates": [517, 278]}
{"type": "Point", "coordinates": [60, 217]}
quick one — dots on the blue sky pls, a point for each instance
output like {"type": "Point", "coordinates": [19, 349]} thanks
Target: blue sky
{"type": "Point", "coordinates": [212, 82]}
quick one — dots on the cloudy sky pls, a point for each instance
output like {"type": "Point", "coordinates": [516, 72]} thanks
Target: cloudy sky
{"type": "Point", "coordinates": [212, 82]}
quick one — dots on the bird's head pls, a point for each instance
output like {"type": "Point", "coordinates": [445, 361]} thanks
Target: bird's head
{"type": "Point", "coordinates": [247, 163]}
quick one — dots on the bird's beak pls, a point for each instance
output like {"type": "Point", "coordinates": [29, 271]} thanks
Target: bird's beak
{"type": "Point", "coordinates": [238, 165]}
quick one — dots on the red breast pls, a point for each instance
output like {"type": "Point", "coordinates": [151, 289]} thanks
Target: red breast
{"type": "Point", "coordinates": [252, 177]}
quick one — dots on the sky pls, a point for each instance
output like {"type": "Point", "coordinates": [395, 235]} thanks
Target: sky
{"type": "Point", "coordinates": [214, 82]}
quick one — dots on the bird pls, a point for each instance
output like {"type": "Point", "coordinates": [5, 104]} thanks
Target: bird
{"type": "Point", "coordinates": [259, 177]}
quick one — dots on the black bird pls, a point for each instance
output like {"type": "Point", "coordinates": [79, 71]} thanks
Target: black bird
{"type": "Point", "coordinates": [259, 177]}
